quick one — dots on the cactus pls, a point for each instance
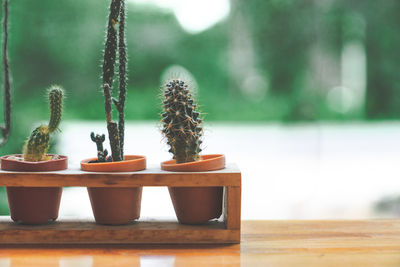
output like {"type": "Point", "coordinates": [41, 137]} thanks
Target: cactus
{"type": "Point", "coordinates": [38, 143]}
{"type": "Point", "coordinates": [115, 130]}
{"type": "Point", "coordinates": [99, 140]}
{"type": "Point", "coordinates": [182, 124]}
{"type": "Point", "coordinates": [56, 95]}
{"type": "Point", "coordinates": [120, 104]}
{"type": "Point", "coordinates": [5, 130]}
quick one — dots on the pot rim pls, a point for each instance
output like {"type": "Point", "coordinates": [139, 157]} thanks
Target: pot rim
{"type": "Point", "coordinates": [61, 164]}
{"type": "Point", "coordinates": [209, 162]}
{"type": "Point", "coordinates": [129, 164]}
{"type": "Point", "coordinates": [6, 157]}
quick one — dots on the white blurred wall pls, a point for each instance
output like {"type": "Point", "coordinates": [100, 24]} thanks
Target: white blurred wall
{"type": "Point", "coordinates": [301, 171]}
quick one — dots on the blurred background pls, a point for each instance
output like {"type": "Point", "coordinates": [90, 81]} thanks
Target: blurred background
{"type": "Point", "coordinates": [303, 95]}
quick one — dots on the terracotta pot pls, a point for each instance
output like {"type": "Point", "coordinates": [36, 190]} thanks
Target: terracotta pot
{"type": "Point", "coordinates": [34, 205]}
{"type": "Point", "coordinates": [115, 205]}
{"type": "Point", "coordinates": [196, 205]}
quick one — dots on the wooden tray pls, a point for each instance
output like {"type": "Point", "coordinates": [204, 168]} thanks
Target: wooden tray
{"type": "Point", "coordinates": [226, 230]}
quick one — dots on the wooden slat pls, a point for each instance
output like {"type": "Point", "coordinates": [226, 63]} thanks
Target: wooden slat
{"type": "Point", "coordinates": [88, 232]}
{"type": "Point", "coordinates": [232, 207]}
{"type": "Point", "coordinates": [150, 177]}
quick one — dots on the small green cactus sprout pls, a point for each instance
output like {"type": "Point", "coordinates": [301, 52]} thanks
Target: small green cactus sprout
{"type": "Point", "coordinates": [38, 143]}
{"type": "Point", "coordinates": [101, 152]}
{"type": "Point", "coordinates": [182, 124]}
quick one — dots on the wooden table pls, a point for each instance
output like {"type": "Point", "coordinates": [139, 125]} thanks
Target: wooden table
{"type": "Point", "coordinates": [264, 243]}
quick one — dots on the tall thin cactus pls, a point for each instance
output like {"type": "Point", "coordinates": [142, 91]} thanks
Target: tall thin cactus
{"type": "Point", "coordinates": [120, 105]}
{"type": "Point", "coordinates": [114, 40]}
{"type": "Point", "coordinates": [6, 128]}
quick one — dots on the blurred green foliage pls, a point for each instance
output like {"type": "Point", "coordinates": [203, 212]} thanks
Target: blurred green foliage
{"type": "Point", "coordinates": [61, 42]}
{"type": "Point", "coordinates": [269, 60]}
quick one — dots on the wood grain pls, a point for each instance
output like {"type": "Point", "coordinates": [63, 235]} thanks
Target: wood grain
{"type": "Point", "coordinates": [141, 232]}
{"type": "Point", "coordinates": [232, 207]}
{"type": "Point", "coordinates": [88, 232]}
{"type": "Point", "coordinates": [373, 243]}
{"type": "Point", "coordinates": [229, 176]}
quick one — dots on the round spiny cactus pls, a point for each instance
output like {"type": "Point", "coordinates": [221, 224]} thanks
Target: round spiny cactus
{"type": "Point", "coordinates": [38, 143]}
{"type": "Point", "coordinates": [182, 124]}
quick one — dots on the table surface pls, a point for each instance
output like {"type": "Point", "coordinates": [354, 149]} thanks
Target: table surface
{"type": "Point", "coordinates": [264, 243]}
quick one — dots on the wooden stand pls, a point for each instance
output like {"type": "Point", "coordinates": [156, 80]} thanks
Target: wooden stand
{"type": "Point", "coordinates": [141, 232]}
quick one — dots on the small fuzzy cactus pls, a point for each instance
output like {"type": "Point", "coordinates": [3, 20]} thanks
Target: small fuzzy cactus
{"type": "Point", "coordinates": [56, 97]}
{"type": "Point", "coordinates": [38, 143]}
{"type": "Point", "coordinates": [182, 124]}
{"type": "Point", "coordinates": [101, 152]}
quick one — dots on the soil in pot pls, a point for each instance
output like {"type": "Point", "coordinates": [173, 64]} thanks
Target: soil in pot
{"type": "Point", "coordinates": [115, 206]}
{"type": "Point", "coordinates": [196, 205]}
{"type": "Point", "coordinates": [34, 205]}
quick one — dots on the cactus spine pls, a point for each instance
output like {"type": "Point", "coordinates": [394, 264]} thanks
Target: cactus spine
{"type": "Point", "coordinates": [6, 128]}
{"type": "Point", "coordinates": [38, 143]}
{"type": "Point", "coordinates": [115, 130]}
{"type": "Point", "coordinates": [182, 124]}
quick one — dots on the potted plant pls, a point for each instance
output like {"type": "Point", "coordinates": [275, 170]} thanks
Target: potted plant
{"type": "Point", "coordinates": [182, 128]}
{"type": "Point", "coordinates": [114, 205]}
{"type": "Point", "coordinates": [36, 205]}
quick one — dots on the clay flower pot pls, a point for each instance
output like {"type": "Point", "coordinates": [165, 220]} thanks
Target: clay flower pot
{"type": "Point", "coordinates": [115, 206]}
{"type": "Point", "coordinates": [196, 205]}
{"type": "Point", "coordinates": [34, 205]}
